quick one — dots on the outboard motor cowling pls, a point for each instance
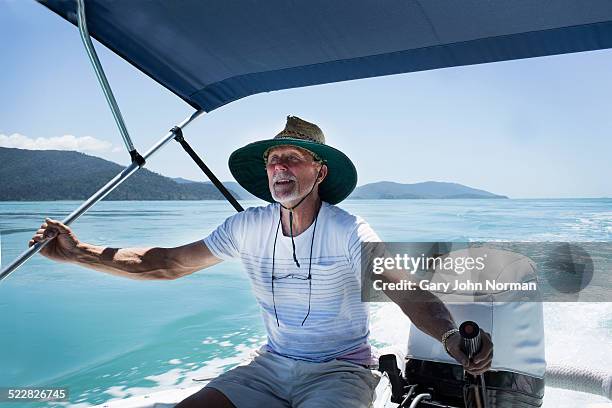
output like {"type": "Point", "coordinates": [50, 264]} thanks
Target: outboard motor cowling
{"type": "Point", "coordinates": [517, 332]}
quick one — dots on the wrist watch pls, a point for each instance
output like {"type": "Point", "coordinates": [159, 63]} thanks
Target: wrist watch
{"type": "Point", "coordinates": [445, 338]}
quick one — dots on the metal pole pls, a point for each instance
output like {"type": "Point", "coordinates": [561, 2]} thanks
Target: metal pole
{"type": "Point", "coordinates": [108, 93]}
{"type": "Point", "coordinates": [418, 399]}
{"type": "Point", "coordinates": [97, 196]}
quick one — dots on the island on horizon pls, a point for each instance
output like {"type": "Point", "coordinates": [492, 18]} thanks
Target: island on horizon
{"type": "Point", "coordinates": [53, 175]}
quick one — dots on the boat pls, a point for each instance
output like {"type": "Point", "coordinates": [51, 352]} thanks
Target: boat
{"type": "Point", "coordinates": [518, 372]}
{"type": "Point", "coordinates": [211, 54]}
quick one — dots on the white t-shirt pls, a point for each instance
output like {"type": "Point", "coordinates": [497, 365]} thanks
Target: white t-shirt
{"type": "Point", "coordinates": [338, 322]}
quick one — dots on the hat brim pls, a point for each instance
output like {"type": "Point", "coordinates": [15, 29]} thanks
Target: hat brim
{"type": "Point", "coordinates": [249, 170]}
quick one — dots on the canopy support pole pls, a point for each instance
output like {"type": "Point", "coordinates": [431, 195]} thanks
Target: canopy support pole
{"type": "Point", "coordinates": [211, 176]}
{"type": "Point", "coordinates": [108, 93]}
{"type": "Point", "coordinates": [97, 196]}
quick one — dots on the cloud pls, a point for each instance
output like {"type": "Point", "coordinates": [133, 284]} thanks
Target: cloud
{"type": "Point", "coordinates": [66, 142]}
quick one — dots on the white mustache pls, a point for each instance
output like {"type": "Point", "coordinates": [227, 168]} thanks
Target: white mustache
{"type": "Point", "coordinates": [283, 177]}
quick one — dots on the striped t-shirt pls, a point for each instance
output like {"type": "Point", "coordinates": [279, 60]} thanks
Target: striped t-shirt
{"type": "Point", "coordinates": [338, 323]}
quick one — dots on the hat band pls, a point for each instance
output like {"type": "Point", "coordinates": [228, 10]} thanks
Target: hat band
{"type": "Point", "coordinates": [316, 157]}
{"type": "Point", "coordinates": [285, 134]}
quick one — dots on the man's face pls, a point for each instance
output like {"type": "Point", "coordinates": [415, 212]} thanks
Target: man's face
{"type": "Point", "coordinates": [291, 173]}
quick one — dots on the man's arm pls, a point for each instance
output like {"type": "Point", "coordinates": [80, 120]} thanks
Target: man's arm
{"type": "Point", "coordinates": [134, 263]}
{"type": "Point", "coordinates": [427, 312]}
{"type": "Point", "coordinates": [424, 309]}
{"type": "Point", "coordinates": [146, 263]}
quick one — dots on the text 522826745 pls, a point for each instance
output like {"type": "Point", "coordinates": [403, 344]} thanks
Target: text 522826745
{"type": "Point", "coordinates": [33, 394]}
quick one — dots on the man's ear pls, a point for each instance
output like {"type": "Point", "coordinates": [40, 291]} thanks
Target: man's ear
{"type": "Point", "coordinates": [322, 174]}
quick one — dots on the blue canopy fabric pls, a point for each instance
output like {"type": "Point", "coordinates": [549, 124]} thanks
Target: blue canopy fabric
{"type": "Point", "coordinates": [211, 53]}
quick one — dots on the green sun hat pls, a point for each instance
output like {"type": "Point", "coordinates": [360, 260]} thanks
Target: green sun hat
{"type": "Point", "coordinates": [248, 166]}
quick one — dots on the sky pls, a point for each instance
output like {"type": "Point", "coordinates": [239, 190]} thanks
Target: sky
{"type": "Point", "coordinates": [534, 128]}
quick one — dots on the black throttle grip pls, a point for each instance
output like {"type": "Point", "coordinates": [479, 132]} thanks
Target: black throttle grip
{"type": "Point", "coordinates": [470, 335]}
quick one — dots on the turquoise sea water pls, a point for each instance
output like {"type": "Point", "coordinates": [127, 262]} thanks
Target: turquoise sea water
{"type": "Point", "coordinates": [106, 337]}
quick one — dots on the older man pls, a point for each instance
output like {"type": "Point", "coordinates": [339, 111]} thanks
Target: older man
{"type": "Point", "coordinates": [302, 254]}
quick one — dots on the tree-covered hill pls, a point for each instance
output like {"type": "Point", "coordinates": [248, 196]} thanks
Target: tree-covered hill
{"type": "Point", "coordinates": [41, 175]}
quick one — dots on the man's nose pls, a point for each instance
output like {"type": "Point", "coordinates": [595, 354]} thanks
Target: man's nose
{"type": "Point", "coordinates": [281, 165]}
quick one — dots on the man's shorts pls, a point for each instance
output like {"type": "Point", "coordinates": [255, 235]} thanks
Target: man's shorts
{"type": "Point", "coordinates": [274, 381]}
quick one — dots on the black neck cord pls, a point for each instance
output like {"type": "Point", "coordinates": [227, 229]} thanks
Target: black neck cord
{"type": "Point", "coordinates": [314, 230]}
{"type": "Point", "coordinates": [290, 209]}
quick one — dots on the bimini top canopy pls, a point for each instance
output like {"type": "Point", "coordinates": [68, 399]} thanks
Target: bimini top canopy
{"type": "Point", "coordinates": [214, 52]}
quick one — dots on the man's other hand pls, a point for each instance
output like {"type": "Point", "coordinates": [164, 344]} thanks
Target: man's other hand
{"type": "Point", "coordinates": [63, 247]}
{"type": "Point", "coordinates": [480, 362]}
